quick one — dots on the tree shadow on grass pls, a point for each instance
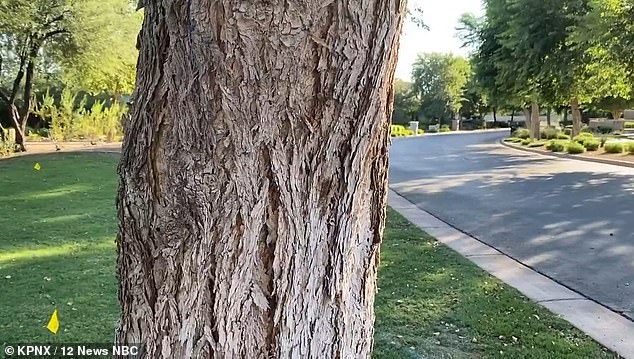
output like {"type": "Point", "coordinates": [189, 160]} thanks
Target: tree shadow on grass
{"type": "Point", "coordinates": [80, 284]}
{"type": "Point", "coordinates": [69, 201]}
{"type": "Point", "coordinates": [432, 303]}
{"type": "Point", "coordinates": [57, 249]}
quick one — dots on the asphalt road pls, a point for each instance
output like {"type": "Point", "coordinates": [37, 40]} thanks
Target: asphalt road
{"type": "Point", "coordinates": [570, 220]}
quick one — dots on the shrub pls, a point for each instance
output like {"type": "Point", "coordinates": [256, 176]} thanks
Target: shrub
{"type": "Point", "coordinates": [549, 133]}
{"type": "Point", "coordinates": [526, 142]}
{"type": "Point", "coordinates": [592, 144]}
{"type": "Point", "coordinates": [586, 129]}
{"type": "Point", "coordinates": [581, 138]}
{"type": "Point", "coordinates": [562, 136]}
{"type": "Point", "coordinates": [556, 146]}
{"type": "Point", "coordinates": [421, 131]}
{"type": "Point", "coordinates": [575, 148]}
{"type": "Point", "coordinates": [522, 133]}
{"type": "Point", "coordinates": [397, 130]}
{"type": "Point", "coordinates": [614, 147]}
{"type": "Point", "coordinates": [69, 122]}
{"type": "Point", "coordinates": [604, 130]}
{"type": "Point", "coordinates": [513, 140]}
{"type": "Point", "coordinates": [444, 128]}
{"type": "Point", "coordinates": [629, 124]}
{"type": "Point", "coordinates": [630, 148]}
{"type": "Point", "coordinates": [568, 131]}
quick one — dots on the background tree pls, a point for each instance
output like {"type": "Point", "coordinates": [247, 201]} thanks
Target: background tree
{"type": "Point", "coordinates": [107, 60]}
{"type": "Point", "coordinates": [439, 81]}
{"type": "Point", "coordinates": [88, 41]}
{"type": "Point", "coordinates": [253, 178]}
{"type": "Point", "coordinates": [607, 72]}
{"type": "Point", "coordinates": [28, 28]}
{"type": "Point", "coordinates": [551, 52]}
{"type": "Point", "coordinates": [475, 103]}
{"type": "Point", "coordinates": [481, 36]}
{"type": "Point", "coordinates": [406, 105]}
{"type": "Point", "coordinates": [614, 105]}
{"type": "Point", "coordinates": [610, 25]}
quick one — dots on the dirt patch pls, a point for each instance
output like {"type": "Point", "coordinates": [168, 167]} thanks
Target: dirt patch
{"type": "Point", "coordinates": [625, 157]}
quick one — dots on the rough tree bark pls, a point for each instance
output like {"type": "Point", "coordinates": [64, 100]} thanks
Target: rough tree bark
{"type": "Point", "coordinates": [253, 178]}
{"type": "Point", "coordinates": [576, 116]}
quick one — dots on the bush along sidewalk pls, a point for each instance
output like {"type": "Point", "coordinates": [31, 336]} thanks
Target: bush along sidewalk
{"type": "Point", "coordinates": [555, 141]}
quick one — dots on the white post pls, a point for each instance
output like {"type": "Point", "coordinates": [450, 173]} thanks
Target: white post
{"type": "Point", "coordinates": [413, 125]}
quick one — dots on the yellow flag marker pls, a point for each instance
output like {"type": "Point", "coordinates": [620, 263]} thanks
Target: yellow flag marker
{"type": "Point", "coordinates": [53, 324]}
{"type": "Point", "coordinates": [37, 166]}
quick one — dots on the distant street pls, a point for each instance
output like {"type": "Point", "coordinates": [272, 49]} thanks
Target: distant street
{"type": "Point", "coordinates": [568, 219]}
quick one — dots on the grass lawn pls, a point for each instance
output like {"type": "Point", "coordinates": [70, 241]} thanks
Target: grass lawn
{"type": "Point", "coordinates": [57, 250]}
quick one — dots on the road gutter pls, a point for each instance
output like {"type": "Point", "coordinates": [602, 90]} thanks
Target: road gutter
{"type": "Point", "coordinates": [607, 327]}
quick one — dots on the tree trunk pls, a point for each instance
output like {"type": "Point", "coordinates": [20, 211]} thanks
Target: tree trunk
{"type": "Point", "coordinates": [535, 120]}
{"type": "Point", "coordinates": [20, 130]}
{"type": "Point", "coordinates": [548, 116]}
{"type": "Point", "coordinates": [527, 119]}
{"type": "Point", "coordinates": [576, 116]}
{"type": "Point", "coordinates": [495, 116]}
{"type": "Point", "coordinates": [23, 116]}
{"type": "Point", "coordinates": [253, 177]}
{"type": "Point", "coordinates": [616, 114]}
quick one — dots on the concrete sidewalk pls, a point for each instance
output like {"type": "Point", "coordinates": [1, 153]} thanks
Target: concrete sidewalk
{"type": "Point", "coordinates": [612, 330]}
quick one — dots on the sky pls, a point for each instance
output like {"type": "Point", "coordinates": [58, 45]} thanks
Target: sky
{"type": "Point", "coordinates": [441, 16]}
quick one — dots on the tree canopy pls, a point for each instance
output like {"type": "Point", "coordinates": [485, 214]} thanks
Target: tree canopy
{"type": "Point", "coordinates": [553, 53]}
{"type": "Point", "coordinates": [439, 81]}
{"type": "Point", "coordinates": [85, 45]}
{"type": "Point", "coordinates": [88, 45]}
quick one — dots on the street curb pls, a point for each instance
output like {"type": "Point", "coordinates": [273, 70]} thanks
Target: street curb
{"type": "Point", "coordinates": [609, 328]}
{"type": "Point", "coordinates": [454, 133]}
{"type": "Point", "coordinates": [567, 156]}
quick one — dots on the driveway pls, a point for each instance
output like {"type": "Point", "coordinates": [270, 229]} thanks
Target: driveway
{"type": "Point", "coordinates": [570, 220]}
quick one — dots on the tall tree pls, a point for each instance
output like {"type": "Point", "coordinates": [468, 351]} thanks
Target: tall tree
{"type": "Point", "coordinates": [253, 178]}
{"type": "Point", "coordinates": [602, 35]}
{"type": "Point", "coordinates": [610, 25]}
{"type": "Point", "coordinates": [474, 102]}
{"type": "Point", "coordinates": [406, 104]}
{"type": "Point", "coordinates": [91, 41]}
{"type": "Point", "coordinates": [27, 27]}
{"type": "Point", "coordinates": [439, 81]}
{"type": "Point", "coordinates": [482, 37]}
{"type": "Point", "coordinates": [107, 60]}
